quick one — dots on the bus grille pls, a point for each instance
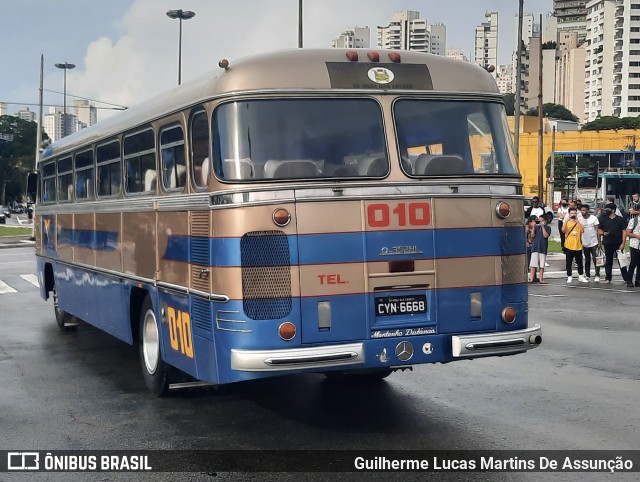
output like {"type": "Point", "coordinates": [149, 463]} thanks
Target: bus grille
{"type": "Point", "coordinates": [266, 275]}
{"type": "Point", "coordinates": [201, 313]}
{"type": "Point", "coordinates": [200, 251]}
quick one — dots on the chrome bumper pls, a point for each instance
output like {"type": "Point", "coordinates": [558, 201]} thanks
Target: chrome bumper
{"type": "Point", "coordinates": [295, 358]}
{"type": "Point", "coordinates": [502, 343]}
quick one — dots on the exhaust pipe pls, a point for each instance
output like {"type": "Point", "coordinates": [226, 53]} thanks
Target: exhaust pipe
{"type": "Point", "coordinates": [535, 339]}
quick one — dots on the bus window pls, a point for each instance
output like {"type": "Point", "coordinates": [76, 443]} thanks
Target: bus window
{"type": "Point", "coordinates": [48, 191]}
{"type": "Point", "coordinates": [453, 138]}
{"type": "Point", "coordinates": [108, 160]}
{"type": "Point", "coordinates": [65, 179]}
{"type": "Point", "coordinates": [84, 175]}
{"type": "Point", "coordinates": [200, 165]}
{"type": "Point", "coordinates": [284, 139]}
{"type": "Point", "coordinates": [174, 171]}
{"type": "Point", "coordinates": [140, 162]}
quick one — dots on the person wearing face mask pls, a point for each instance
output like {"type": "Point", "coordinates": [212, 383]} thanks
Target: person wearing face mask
{"type": "Point", "coordinates": [611, 231]}
{"type": "Point", "coordinates": [633, 233]}
{"type": "Point", "coordinates": [573, 231]}
{"type": "Point", "coordinates": [590, 240]}
{"type": "Point", "coordinates": [563, 210]}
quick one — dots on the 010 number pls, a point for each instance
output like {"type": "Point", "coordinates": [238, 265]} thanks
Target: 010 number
{"type": "Point", "coordinates": [413, 214]}
{"type": "Point", "coordinates": [180, 331]}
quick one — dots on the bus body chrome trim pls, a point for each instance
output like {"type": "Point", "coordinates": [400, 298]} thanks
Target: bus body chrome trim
{"type": "Point", "coordinates": [501, 343]}
{"type": "Point", "coordinates": [295, 358]}
{"type": "Point", "coordinates": [126, 276]}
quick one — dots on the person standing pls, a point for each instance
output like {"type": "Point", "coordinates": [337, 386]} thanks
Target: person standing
{"type": "Point", "coordinates": [529, 231]}
{"type": "Point", "coordinates": [634, 206]}
{"type": "Point", "coordinates": [539, 247]}
{"type": "Point", "coordinates": [633, 233]}
{"type": "Point", "coordinates": [563, 210]}
{"type": "Point", "coordinates": [589, 240]}
{"type": "Point", "coordinates": [573, 244]}
{"type": "Point", "coordinates": [535, 209]}
{"type": "Point", "coordinates": [612, 232]}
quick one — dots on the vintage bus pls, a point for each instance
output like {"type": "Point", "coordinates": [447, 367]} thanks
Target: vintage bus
{"type": "Point", "coordinates": [348, 212]}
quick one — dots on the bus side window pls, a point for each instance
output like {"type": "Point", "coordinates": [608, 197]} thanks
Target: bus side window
{"type": "Point", "coordinates": [140, 162]}
{"type": "Point", "coordinates": [84, 175]}
{"type": "Point", "coordinates": [65, 179]}
{"type": "Point", "coordinates": [109, 169]}
{"type": "Point", "coordinates": [48, 190]}
{"type": "Point", "coordinates": [199, 137]}
{"type": "Point", "coordinates": [174, 171]}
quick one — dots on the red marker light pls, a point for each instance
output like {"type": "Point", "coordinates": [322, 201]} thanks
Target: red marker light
{"type": "Point", "coordinates": [223, 64]}
{"type": "Point", "coordinates": [374, 56]}
{"type": "Point", "coordinates": [503, 210]}
{"type": "Point", "coordinates": [281, 217]}
{"type": "Point", "coordinates": [287, 330]}
{"type": "Point", "coordinates": [394, 57]}
{"type": "Point", "coordinates": [352, 55]}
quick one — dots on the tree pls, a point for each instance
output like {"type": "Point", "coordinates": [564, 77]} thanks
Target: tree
{"type": "Point", "coordinates": [555, 111]}
{"type": "Point", "coordinates": [509, 103]}
{"type": "Point", "coordinates": [17, 153]}
{"type": "Point", "coordinates": [610, 122]}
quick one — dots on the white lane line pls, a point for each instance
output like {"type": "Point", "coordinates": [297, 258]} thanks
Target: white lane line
{"type": "Point", "coordinates": [601, 289]}
{"type": "Point", "coordinates": [548, 296]}
{"type": "Point", "coordinates": [31, 278]}
{"type": "Point", "coordinates": [5, 288]}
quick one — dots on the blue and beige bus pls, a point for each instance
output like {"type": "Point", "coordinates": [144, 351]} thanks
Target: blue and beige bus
{"type": "Point", "coordinates": [348, 212]}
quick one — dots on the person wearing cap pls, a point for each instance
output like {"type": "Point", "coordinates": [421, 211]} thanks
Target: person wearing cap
{"type": "Point", "coordinates": [611, 230]}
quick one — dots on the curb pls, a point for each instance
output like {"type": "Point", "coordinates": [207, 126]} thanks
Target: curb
{"type": "Point", "coordinates": [23, 244]}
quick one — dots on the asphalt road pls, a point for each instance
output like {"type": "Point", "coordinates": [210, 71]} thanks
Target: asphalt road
{"type": "Point", "coordinates": [83, 390]}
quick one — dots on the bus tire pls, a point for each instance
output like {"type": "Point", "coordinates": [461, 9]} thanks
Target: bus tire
{"type": "Point", "coordinates": [154, 369]}
{"type": "Point", "coordinates": [365, 375]}
{"type": "Point", "coordinates": [64, 320]}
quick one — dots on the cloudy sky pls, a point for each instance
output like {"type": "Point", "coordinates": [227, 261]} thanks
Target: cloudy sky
{"type": "Point", "coordinates": [126, 50]}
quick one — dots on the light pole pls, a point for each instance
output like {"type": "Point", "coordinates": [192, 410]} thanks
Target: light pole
{"type": "Point", "coordinates": [181, 15]}
{"type": "Point", "coordinates": [66, 66]}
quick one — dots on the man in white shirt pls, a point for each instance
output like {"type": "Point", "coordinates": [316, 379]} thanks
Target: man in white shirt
{"type": "Point", "coordinates": [563, 210]}
{"type": "Point", "coordinates": [590, 240]}
{"type": "Point", "coordinates": [633, 233]}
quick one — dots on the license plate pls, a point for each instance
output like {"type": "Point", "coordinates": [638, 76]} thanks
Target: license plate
{"type": "Point", "coordinates": [401, 305]}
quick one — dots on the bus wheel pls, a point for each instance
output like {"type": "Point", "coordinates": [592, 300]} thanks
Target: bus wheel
{"type": "Point", "coordinates": [154, 369]}
{"type": "Point", "coordinates": [370, 374]}
{"type": "Point", "coordinates": [65, 320]}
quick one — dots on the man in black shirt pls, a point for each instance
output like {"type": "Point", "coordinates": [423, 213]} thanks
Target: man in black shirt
{"type": "Point", "coordinates": [611, 231]}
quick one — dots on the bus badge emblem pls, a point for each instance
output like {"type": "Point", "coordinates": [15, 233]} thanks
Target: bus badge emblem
{"type": "Point", "coordinates": [404, 351]}
{"type": "Point", "coordinates": [380, 75]}
{"type": "Point", "coordinates": [383, 356]}
{"type": "Point", "coordinates": [427, 349]}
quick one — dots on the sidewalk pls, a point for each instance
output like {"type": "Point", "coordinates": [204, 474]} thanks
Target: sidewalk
{"type": "Point", "coordinates": [557, 269]}
{"type": "Point", "coordinates": [16, 242]}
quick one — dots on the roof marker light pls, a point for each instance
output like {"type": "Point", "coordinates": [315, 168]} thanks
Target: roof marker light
{"type": "Point", "coordinates": [352, 55]}
{"type": "Point", "coordinates": [394, 57]}
{"type": "Point", "coordinates": [224, 64]}
{"type": "Point", "coordinates": [374, 56]}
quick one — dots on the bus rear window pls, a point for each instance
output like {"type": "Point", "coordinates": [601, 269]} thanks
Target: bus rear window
{"type": "Point", "coordinates": [286, 139]}
{"type": "Point", "coordinates": [453, 138]}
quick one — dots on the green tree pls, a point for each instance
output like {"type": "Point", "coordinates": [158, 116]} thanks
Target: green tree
{"type": "Point", "coordinates": [509, 103]}
{"type": "Point", "coordinates": [17, 155]}
{"type": "Point", "coordinates": [555, 111]}
{"type": "Point", "coordinates": [610, 122]}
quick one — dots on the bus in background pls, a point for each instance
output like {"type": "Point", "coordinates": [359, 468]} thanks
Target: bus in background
{"type": "Point", "coordinates": [619, 184]}
{"type": "Point", "coordinates": [348, 212]}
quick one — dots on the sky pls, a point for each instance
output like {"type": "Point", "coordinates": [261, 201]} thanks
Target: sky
{"type": "Point", "coordinates": [126, 51]}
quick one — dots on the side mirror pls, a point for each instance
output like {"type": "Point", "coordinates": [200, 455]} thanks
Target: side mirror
{"type": "Point", "coordinates": [32, 185]}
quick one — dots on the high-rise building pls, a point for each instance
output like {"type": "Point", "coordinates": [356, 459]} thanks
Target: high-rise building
{"type": "Point", "coordinates": [571, 15]}
{"type": "Point", "coordinates": [85, 112]}
{"type": "Point", "coordinates": [570, 82]}
{"type": "Point", "coordinates": [457, 54]}
{"type": "Point", "coordinates": [486, 42]}
{"type": "Point", "coordinates": [407, 31]}
{"type": "Point", "coordinates": [3, 108]}
{"type": "Point", "coordinates": [353, 38]}
{"type": "Point", "coordinates": [626, 58]}
{"type": "Point", "coordinates": [53, 124]}
{"type": "Point", "coordinates": [503, 79]}
{"type": "Point", "coordinates": [26, 114]}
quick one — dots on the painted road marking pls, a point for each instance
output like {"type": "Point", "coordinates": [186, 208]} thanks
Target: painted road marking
{"type": "Point", "coordinates": [5, 288]}
{"type": "Point", "coordinates": [31, 278]}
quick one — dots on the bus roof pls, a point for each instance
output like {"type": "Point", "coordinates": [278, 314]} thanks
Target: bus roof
{"type": "Point", "coordinates": [296, 70]}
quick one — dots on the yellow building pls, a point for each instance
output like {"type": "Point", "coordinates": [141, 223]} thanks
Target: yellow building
{"type": "Point", "coordinates": [565, 141]}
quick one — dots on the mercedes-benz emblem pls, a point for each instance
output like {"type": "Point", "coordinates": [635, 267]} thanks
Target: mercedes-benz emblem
{"type": "Point", "coordinates": [404, 351]}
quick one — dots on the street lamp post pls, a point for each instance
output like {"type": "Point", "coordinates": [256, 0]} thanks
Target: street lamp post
{"type": "Point", "coordinates": [181, 15]}
{"type": "Point", "coordinates": [66, 66]}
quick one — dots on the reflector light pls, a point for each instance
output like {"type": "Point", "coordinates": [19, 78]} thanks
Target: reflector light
{"type": "Point", "coordinates": [224, 64]}
{"type": "Point", "coordinates": [394, 57]}
{"type": "Point", "coordinates": [374, 56]}
{"type": "Point", "coordinates": [405, 266]}
{"type": "Point", "coordinates": [503, 210]}
{"type": "Point", "coordinates": [508, 314]}
{"type": "Point", "coordinates": [281, 217]}
{"type": "Point", "coordinates": [287, 330]}
{"type": "Point", "coordinates": [352, 55]}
